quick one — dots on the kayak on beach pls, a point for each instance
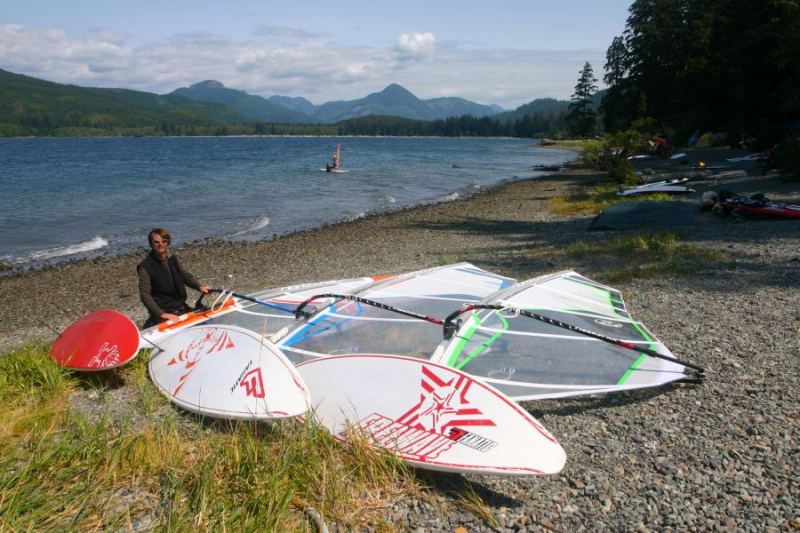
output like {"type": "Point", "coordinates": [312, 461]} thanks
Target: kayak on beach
{"type": "Point", "coordinates": [756, 205]}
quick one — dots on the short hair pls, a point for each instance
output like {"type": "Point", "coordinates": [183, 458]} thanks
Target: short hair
{"type": "Point", "coordinates": [161, 232]}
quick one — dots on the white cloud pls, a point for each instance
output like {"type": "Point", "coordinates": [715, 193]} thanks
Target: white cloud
{"type": "Point", "coordinates": [284, 32]}
{"type": "Point", "coordinates": [415, 46]}
{"type": "Point", "coordinates": [311, 68]}
{"type": "Point", "coordinates": [108, 36]}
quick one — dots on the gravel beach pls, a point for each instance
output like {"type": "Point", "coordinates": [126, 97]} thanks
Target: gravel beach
{"type": "Point", "coordinates": [722, 455]}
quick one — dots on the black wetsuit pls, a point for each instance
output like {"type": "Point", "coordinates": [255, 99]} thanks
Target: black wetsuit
{"type": "Point", "coordinates": [162, 287]}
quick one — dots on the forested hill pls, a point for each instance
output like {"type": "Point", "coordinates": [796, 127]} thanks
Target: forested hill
{"type": "Point", "coordinates": [723, 66]}
{"type": "Point", "coordinates": [545, 107]}
{"type": "Point", "coordinates": [30, 106]}
{"type": "Point", "coordinates": [255, 107]}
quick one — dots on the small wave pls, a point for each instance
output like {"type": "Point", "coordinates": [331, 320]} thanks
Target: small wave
{"type": "Point", "coordinates": [450, 197]}
{"type": "Point", "coordinates": [355, 215]}
{"type": "Point", "coordinates": [257, 224]}
{"type": "Point", "coordinates": [388, 199]}
{"type": "Point", "coordinates": [81, 247]}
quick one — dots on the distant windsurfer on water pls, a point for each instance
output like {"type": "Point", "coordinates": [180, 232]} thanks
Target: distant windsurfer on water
{"type": "Point", "coordinates": [163, 281]}
{"type": "Point", "coordinates": [334, 164]}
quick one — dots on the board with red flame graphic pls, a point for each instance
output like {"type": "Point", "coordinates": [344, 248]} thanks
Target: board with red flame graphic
{"type": "Point", "coordinates": [228, 372]}
{"type": "Point", "coordinates": [431, 416]}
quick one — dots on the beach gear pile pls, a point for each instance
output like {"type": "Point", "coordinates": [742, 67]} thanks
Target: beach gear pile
{"type": "Point", "coordinates": [430, 365]}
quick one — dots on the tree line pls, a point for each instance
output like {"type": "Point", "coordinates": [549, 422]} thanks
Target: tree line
{"type": "Point", "coordinates": [528, 126]}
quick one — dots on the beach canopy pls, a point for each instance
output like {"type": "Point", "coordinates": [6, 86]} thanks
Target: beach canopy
{"type": "Point", "coordinates": [646, 214]}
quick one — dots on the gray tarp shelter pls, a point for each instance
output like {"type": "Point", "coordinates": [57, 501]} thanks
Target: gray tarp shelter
{"type": "Point", "coordinates": [647, 214]}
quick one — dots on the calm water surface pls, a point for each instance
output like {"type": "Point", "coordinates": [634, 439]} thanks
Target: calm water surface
{"type": "Point", "coordinates": [80, 197]}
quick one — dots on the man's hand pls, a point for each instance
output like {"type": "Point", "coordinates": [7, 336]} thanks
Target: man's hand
{"type": "Point", "coordinates": [204, 289]}
{"type": "Point", "coordinates": [169, 317]}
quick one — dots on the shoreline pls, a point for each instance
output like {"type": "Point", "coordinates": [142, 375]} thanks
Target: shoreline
{"type": "Point", "coordinates": [297, 257]}
{"type": "Point", "coordinates": [98, 244]}
{"type": "Point", "coordinates": [10, 269]}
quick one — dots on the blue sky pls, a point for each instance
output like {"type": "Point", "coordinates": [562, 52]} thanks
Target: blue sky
{"type": "Point", "coordinates": [507, 52]}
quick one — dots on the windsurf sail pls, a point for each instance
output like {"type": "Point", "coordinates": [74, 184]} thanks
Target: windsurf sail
{"type": "Point", "coordinates": [269, 311]}
{"type": "Point", "coordinates": [352, 327]}
{"type": "Point", "coordinates": [531, 359]}
{"type": "Point", "coordinates": [585, 341]}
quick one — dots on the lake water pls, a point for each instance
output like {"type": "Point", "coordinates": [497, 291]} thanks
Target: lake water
{"type": "Point", "coordinates": [81, 197]}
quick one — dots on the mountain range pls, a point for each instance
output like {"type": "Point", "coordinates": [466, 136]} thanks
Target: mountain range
{"type": "Point", "coordinates": [31, 106]}
{"type": "Point", "coordinates": [394, 101]}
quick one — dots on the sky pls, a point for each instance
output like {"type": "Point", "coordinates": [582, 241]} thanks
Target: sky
{"type": "Point", "coordinates": [506, 52]}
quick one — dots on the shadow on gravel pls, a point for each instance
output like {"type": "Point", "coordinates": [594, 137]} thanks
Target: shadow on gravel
{"type": "Point", "coordinates": [527, 242]}
{"type": "Point", "coordinates": [103, 380]}
{"type": "Point", "coordinates": [455, 486]}
{"type": "Point", "coordinates": [560, 232]}
{"type": "Point", "coordinates": [574, 406]}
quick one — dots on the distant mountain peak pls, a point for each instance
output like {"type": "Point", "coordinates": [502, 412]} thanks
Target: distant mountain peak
{"type": "Point", "coordinates": [394, 89]}
{"type": "Point", "coordinates": [250, 105]}
{"type": "Point", "coordinates": [208, 84]}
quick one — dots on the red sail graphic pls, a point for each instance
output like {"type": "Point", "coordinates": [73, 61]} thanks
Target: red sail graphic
{"type": "Point", "coordinates": [211, 342]}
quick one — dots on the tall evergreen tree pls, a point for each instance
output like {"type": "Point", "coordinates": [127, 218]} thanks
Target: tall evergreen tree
{"type": "Point", "coordinates": [617, 109]}
{"type": "Point", "coordinates": [616, 66]}
{"type": "Point", "coordinates": [655, 39]}
{"type": "Point", "coordinates": [581, 116]}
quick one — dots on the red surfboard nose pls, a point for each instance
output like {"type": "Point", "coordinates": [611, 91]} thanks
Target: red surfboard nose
{"type": "Point", "coordinates": [101, 340]}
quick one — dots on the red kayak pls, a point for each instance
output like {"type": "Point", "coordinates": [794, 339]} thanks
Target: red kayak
{"type": "Point", "coordinates": [762, 207]}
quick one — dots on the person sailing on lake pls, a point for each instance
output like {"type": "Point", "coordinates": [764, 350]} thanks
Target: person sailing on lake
{"type": "Point", "coordinates": [334, 164]}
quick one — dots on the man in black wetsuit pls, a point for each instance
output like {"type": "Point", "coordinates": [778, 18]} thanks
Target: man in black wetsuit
{"type": "Point", "coordinates": [163, 281]}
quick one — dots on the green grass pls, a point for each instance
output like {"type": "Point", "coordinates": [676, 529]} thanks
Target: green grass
{"type": "Point", "coordinates": [595, 200]}
{"type": "Point", "coordinates": [154, 466]}
{"type": "Point", "coordinates": [644, 256]}
{"type": "Point", "coordinates": [577, 143]}
{"type": "Point", "coordinates": [28, 374]}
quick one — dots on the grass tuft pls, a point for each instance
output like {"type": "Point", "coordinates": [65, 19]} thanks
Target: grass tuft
{"type": "Point", "coordinates": [28, 374]}
{"type": "Point", "coordinates": [595, 200]}
{"type": "Point", "coordinates": [470, 500]}
{"type": "Point", "coordinates": [644, 256]}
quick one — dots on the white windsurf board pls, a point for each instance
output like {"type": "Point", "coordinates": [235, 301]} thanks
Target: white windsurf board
{"type": "Point", "coordinates": [227, 372]}
{"type": "Point", "coordinates": [678, 185]}
{"type": "Point", "coordinates": [151, 336]}
{"type": "Point", "coordinates": [431, 416]}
